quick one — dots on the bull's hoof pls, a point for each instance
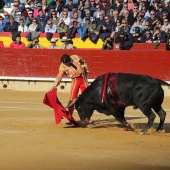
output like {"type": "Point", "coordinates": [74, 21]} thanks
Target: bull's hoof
{"type": "Point", "coordinates": [143, 132]}
{"type": "Point", "coordinates": [83, 124]}
{"type": "Point", "coordinates": [160, 131]}
{"type": "Point", "coordinates": [128, 128]}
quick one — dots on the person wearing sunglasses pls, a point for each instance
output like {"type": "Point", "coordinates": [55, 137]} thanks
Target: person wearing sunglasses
{"type": "Point", "coordinates": [98, 10]}
{"type": "Point", "coordinates": [166, 25]}
{"type": "Point", "coordinates": [33, 26]}
{"type": "Point", "coordinates": [107, 28]}
{"type": "Point", "coordinates": [152, 20]}
{"type": "Point", "coordinates": [50, 27]}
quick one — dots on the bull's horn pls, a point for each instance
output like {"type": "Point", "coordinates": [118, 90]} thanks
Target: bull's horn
{"type": "Point", "coordinates": [73, 102]}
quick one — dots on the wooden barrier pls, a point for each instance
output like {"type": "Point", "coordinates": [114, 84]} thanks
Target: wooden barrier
{"type": "Point", "coordinates": [44, 62]}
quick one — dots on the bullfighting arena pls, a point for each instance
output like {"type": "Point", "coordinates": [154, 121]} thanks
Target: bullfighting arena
{"type": "Point", "coordinates": [30, 139]}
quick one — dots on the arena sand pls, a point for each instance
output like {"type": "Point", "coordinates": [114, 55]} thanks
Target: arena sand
{"type": "Point", "coordinates": [30, 139]}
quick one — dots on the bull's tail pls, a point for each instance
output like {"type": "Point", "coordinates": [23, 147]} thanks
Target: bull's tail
{"type": "Point", "coordinates": [163, 82]}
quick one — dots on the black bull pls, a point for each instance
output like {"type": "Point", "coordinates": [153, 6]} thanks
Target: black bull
{"type": "Point", "coordinates": [123, 90]}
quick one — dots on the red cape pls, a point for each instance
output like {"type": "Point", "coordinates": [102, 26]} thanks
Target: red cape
{"type": "Point", "coordinates": [51, 100]}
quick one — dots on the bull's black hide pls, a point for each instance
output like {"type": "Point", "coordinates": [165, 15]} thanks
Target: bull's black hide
{"type": "Point", "coordinates": [122, 90]}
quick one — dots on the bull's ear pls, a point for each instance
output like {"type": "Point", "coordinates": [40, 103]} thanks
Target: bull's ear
{"type": "Point", "coordinates": [73, 102]}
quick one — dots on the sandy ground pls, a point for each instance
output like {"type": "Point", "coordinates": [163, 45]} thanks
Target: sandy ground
{"type": "Point", "coordinates": [30, 139]}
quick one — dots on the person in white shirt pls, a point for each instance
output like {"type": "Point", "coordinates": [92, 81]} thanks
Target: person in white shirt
{"type": "Point", "coordinates": [50, 27]}
{"type": "Point", "coordinates": [33, 26]}
{"type": "Point", "coordinates": [22, 27]}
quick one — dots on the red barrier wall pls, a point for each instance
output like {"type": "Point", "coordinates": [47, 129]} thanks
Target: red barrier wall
{"type": "Point", "coordinates": [44, 63]}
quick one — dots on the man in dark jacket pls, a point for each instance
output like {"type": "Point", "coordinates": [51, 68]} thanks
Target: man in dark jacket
{"type": "Point", "coordinates": [11, 25]}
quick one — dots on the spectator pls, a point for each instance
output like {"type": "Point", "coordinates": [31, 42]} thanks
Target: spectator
{"type": "Point", "coordinates": [58, 7]}
{"type": "Point", "coordinates": [152, 20]}
{"type": "Point", "coordinates": [105, 6]}
{"type": "Point", "coordinates": [167, 7]}
{"type": "Point", "coordinates": [81, 5]}
{"type": "Point", "coordinates": [107, 28]}
{"type": "Point", "coordinates": [75, 9]}
{"type": "Point", "coordinates": [51, 9]}
{"type": "Point", "coordinates": [15, 9]}
{"type": "Point", "coordinates": [53, 44]}
{"type": "Point", "coordinates": [166, 25]}
{"type": "Point", "coordinates": [33, 26]}
{"type": "Point", "coordinates": [110, 11]}
{"type": "Point", "coordinates": [32, 4]}
{"type": "Point", "coordinates": [130, 4]}
{"type": "Point", "coordinates": [11, 25]}
{"type": "Point", "coordinates": [141, 20]}
{"type": "Point", "coordinates": [137, 35]}
{"type": "Point", "coordinates": [18, 17]}
{"type": "Point", "coordinates": [159, 36]}
{"type": "Point", "coordinates": [134, 26]}
{"type": "Point", "coordinates": [98, 10]}
{"type": "Point", "coordinates": [70, 5]}
{"type": "Point", "coordinates": [100, 21]}
{"type": "Point", "coordinates": [22, 27]}
{"type": "Point", "coordinates": [6, 15]}
{"type": "Point", "coordinates": [83, 12]}
{"type": "Point", "coordinates": [44, 5]}
{"type": "Point", "coordinates": [17, 43]}
{"type": "Point", "coordinates": [50, 27]}
{"type": "Point", "coordinates": [29, 18]}
{"type": "Point", "coordinates": [145, 12]}
{"type": "Point", "coordinates": [147, 37]}
{"type": "Point", "coordinates": [76, 17]}
{"type": "Point", "coordinates": [128, 17]}
{"type": "Point", "coordinates": [39, 8]}
{"type": "Point", "coordinates": [62, 29]}
{"type": "Point", "coordinates": [124, 8]}
{"type": "Point", "coordinates": [87, 16]}
{"type": "Point", "coordinates": [135, 12]}
{"type": "Point", "coordinates": [118, 25]}
{"type": "Point", "coordinates": [160, 10]}
{"type": "Point", "coordinates": [66, 44]}
{"type": "Point", "coordinates": [23, 10]}
{"type": "Point", "coordinates": [40, 27]}
{"type": "Point", "coordinates": [108, 44]}
{"type": "Point", "coordinates": [124, 26]}
{"type": "Point", "coordinates": [65, 18]}
{"type": "Point", "coordinates": [42, 16]}
{"type": "Point", "coordinates": [94, 32]}
{"type": "Point", "coordinates": [72, 28]}
{"type": "Point", "coordinates": [65, 10]}
{"type": "Point", "coordinates": [158, 23]}
{"type": "Point", "coordinates": [164, 15]}
{"type": "Point", "coordinates": [55, 20]}
{"type": "Point", "coordinates": [92, 7]}
{"type": "Point", "coordinates": [124, 40]}
{"type": "Point", "coordinates": [114, 16]}
{"type": "Point", "coordinates": [2, 24]}
{"type": "Point", "coordinates": [146, 26]}
{"type": "Point", "coordinates": [35, 44]}
{"type": "Point", "coordinates": [118, 5]}
{"type": "Point", "coordinates": [27, 8]}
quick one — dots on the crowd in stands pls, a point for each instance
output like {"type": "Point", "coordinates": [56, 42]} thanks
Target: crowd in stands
{"type": "Point", "coordinates": [146, 21]}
